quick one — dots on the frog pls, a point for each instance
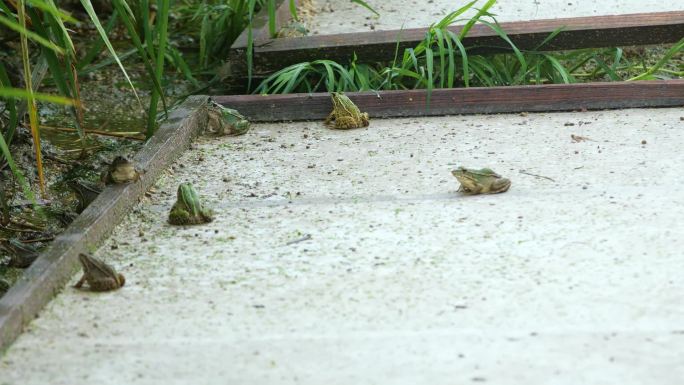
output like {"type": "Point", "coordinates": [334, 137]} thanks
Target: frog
{"type": "Point", "coordinates": [188, 209]}
{"type": "Point", "coordinates": [293, 29]}
{"type": "Point", "coordinates": [482, 181]}
{"type": "Point", "coordinates": [224, 121]}
{"type": "Point", "coordinates": [345, 113]}
{"type": "Point", "coordinates": [86, 192]}
{"type": "Point", "coordinates": [99, 275]}
{"type": "Point", "coordinates": [121, 171]}
{"type": "Point", "coordinates": [21, 255]}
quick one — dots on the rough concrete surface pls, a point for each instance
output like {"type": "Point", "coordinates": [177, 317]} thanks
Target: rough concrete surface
{"type": "Point", "coordinates": [568, 280]}
{"type": "Point", "coordinates": [334, 16]}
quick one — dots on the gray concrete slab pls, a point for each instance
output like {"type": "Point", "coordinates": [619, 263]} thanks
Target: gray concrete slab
{"type": "Point", "coordinates": [334, 16]}
{"type": "Point", "coordinates": [404, 281]}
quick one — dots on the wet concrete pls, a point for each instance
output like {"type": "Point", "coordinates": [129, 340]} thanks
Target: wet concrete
{"type": "Point", "coordinates": [348, 257]}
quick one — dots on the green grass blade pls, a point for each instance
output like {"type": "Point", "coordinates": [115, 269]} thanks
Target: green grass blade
{"type": "Point", "coordinates": [551, 36]}
{"type": "Point", "coordinates": [162, 36]}
{"type": "Point", "coordinates": [17, 173]}
{"type": "Point", "coordinates": [51, 8]}
{"type": "Point", "coordinates": [330, 78]}
{"type": "Point", "coordinates": [482, 11]}
{"type": "Point", "coordinates": [567, 78]}
{"type": "Point", "coordinates": [129, 21]}
{"type": "Point", "coordinates": [293, 10]}
{"type": "Point", "coordinates": [272, 18]}
{"type": "Point", "coordinates": [182, 66]}
{"type": "Point", "coordinates": [16, 27]}
{"type": "Point", "coordinates": [10, 104]}
{"type": "Point", "coordinates": [365, 5]}
{"type": "Point", "coordinates": [464, 58]}
{"type": "Point", "coordinates": [9, 92]}
{"type": "Point", "coordinates": [62, 28]}
{"type": "Point", "coordinates": [429, 64]}
{"type": "Point", "coordinates": [97, 46]}
{"type": "Point", "coordinates": [442, 57]}
{"type": "Point", "coordinates": [504, 36]}
{"type": "Point", "coordinates": [103, 35]}
{"type": "Point", "coordinates": [675, 49]}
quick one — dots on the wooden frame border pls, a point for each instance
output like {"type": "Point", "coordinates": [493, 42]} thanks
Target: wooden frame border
{"type": "Point", "coordinates": [476, 100]}
{"type": "Point", "coordinates": [54, 267]}
{"type": "Point", "coordinates": [578, 32]}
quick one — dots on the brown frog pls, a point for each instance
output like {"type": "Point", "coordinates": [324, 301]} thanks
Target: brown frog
{"type": "Point", "coordinates": [121, 171]}
{"type": "Point", "coordinates": [99, 275]}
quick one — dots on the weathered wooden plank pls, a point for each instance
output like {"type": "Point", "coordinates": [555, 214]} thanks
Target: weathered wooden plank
{"type": "Point", "coordinates": [577, 32]}
{"type": "Point", "coordinates": [53, 268]}
{"type": "Point", "coordinates": [386, 104]}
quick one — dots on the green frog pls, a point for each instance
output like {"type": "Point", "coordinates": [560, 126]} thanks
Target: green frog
{"type": "Point", "coordinates": [99, 275]}
{"type": "Point", "coordinates": [482, 181]}
{"type": "Point", "coordinates": [293, 29]}
{"type": "Point", "coordinates": [345, 113]}
{"type": "Point", "coordinates": [21, 255]}
{"type": "Point", "coordinates": [121, 171]}
{"type": "Point", "coordinates": [188, 209]}
{"type": "Point", "coordinates": [225, 121]}
{"type": "Point", "coordinates": [85, 192]}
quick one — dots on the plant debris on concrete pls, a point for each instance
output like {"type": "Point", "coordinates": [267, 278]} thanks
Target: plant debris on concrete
{"type": "Point", "coordinates": [401, 279]}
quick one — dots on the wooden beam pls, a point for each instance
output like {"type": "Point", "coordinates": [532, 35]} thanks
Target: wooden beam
{"type": "Point", "coordinates": [577, 32]}
{"type": "Point", "coordinates": [56, 265]}
{"type": "Point", "coordinates": [388, 104]}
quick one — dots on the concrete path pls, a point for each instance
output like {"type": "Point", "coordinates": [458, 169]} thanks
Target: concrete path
{"type": "Point", "coordinates": [334, 16]}
{"type": "Point", "coordinates": [570, 278]}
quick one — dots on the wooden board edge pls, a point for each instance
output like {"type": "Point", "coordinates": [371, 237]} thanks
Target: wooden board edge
{"type": "Point", "coordinates": [579, 32]}
{"type": "Point", "coordinates": [476, 100]}
{"type": "Point", "coordinates": [512, 28]}
{"type": "Point", "coordinates": [55, 266]}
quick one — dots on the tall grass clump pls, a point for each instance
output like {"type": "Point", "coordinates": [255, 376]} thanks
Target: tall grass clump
{"type": "Point", "coordinates": [440, 60]}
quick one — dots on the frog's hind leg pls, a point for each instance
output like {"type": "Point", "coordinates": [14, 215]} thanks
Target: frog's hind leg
{"type": "Point", "coordinates": [501, 185]}
{"type": "Point", "coordinates": [330, 118]}
{"type": "Point", "coordinates": [80, 282]}
{"type": "Point", "coordinates": [105, 284]}
{"type": "Point", "coordinates": [347, 123]}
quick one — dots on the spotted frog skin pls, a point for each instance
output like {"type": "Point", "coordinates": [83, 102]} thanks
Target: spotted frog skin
{"type": "Point", "coordinates": [99, 275]}
{"type": "Point", "coordinates": [482, 181]}
{"type": "Point", "coordinates": [345, 114]}
{"type": "Point", "coordinates": [188, 209]}
{"type": "Point", "coordinates": [225, 121]}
